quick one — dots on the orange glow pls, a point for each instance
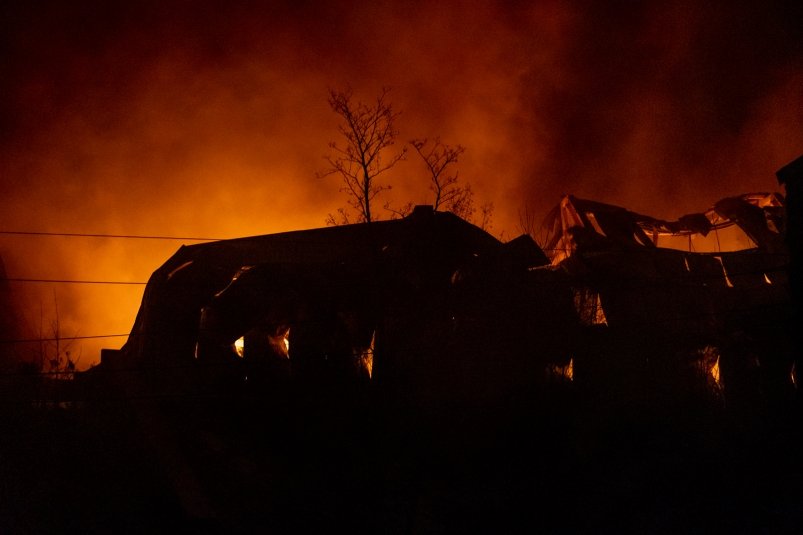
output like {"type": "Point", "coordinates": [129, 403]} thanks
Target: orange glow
{"type": "Point", "coordinates": [213, 122]}
{"type": "Point", "coordinates": [281, 342]}
{"type": "Point", "coordinates": [367, 357]}
{"type": "Point", "coordinates": [709, 367]}
{"type": "Point", "coordinates": [714, 373]}
{"type": "Point", "coordinates": [286, 342]}
{"type": "Point", "coordinates": [239, 346]}
{"type": "Point", "coordinates": [724, 239]}
{"type": "Point", "coordinates": [564, 372]}
{"type": "Point", "coordinates": [588, 305]}
{"type": "Point", "coordinates": [728, 282]}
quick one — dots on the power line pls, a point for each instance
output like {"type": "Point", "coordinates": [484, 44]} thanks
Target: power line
{"type": "Point", "coordinates": [122, 236]}
{"type": "Point", "coordinates": [62, 338]}
{"type": "Point", "coordinates": [67, 281]}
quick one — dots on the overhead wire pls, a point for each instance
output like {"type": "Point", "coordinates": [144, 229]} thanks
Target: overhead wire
{"type": "Point", "coordinates": [72, 281]}
{"type": "Point", "coordinates": [98, 235]}
{"type": "Point", "coordinates": [62, 338]}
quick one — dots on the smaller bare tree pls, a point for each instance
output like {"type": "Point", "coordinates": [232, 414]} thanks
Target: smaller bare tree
{"type": "Point", "coordinates": [527, 223]}
{"type": "Point", "coordinates": [55, 351]}
{"type": "Point", "coordinates": [396, 213]}
{"type": "Point", "coordinates": [450, 194]}
{"type": "Point", "coordinates": [486, 218]}
{"type": "Point", "coordinates": [368, 131]}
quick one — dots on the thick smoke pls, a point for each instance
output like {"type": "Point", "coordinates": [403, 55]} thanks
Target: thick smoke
{"type": "Point", "coordinates": [210, 119]}
{"type": "Point", "coordinates": [666, 109]}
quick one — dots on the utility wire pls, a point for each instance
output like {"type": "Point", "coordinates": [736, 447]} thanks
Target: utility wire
{"type": "Point", "coordinates": [62, 338]}
{"type": "Point", "coordinates": [66, 281]}
{"type": "Point", "coordinates": [123, 236]}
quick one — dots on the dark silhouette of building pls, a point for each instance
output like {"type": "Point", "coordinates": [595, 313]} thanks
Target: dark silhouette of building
{"type": "Point", "coordinates": [427, 307]}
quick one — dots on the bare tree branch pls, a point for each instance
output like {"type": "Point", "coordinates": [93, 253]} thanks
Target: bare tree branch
{"type": "Point", "coordinates": [404, 211]}
{"type": "Point", "coordinates": [486, 216]}
{"type": "Point", "coordinates": [342, 218]}
{"type": "Point", "coordinates": [367, 131]}
{"type": "Point", "coordinates": [449, 194]}
{"type": "Point", "coordinates": [527, 221]}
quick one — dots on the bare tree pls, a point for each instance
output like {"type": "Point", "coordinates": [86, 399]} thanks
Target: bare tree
{"type": "Point", "coordinates": [444, 184]}
{"type": "Point", "coordinates": [527, 221]}
{"type": "Point", "coordinates": [54, 352]}
{"type": "Point", "coordinates": [368, 132]}
{"type": "Point", "coordinates": [342, 218]}
{"type": "Point", "coordinates": [438, 157]}
{"type": "Point", "coordinates": [396, 213]}
{"type": "Point", "coordinates": [486, 218]}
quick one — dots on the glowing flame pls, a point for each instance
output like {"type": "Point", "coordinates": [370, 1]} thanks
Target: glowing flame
{"type": "Point", "coordinates": [589, 306]}
{"type": "Point", "coordinates": [239, 346]}
{"type": "Point", "coordinates": [709, 367]}
{"type": "Point", "coordinates": [182, 266]}
{"type": "Point", "coordinates": [564, 372]}
{"type": "Point", "coordinates": [367, 357]}
{"type": "Point", "coordinates": [286, 341]}
{"type": "Point", "coordinates": [714, 373]}
{"type": "Point", "coordinates": [767, 279]}
{"type": "Point", "coordinates": [728, 282]}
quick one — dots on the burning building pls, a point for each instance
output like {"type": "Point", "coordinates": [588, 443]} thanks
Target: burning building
{"type": "Point", "coordinates": [667, 295]}
{"type": "Point", "coordinates": [431, 307]}
{"type": "Point", "coordinates": [427, 306]}
{"type": "Point", "coordinates": [483, 354]}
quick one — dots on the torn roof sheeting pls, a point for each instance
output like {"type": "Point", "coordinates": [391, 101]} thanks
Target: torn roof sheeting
{"type": "Point", "coordinates": [752, 220]}
{"type": "Point", "coordinates": [167, 322]}
{"type": "Point", "coordinates": [700, 277]}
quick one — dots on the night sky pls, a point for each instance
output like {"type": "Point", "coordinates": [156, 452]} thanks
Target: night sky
{"type": "Point", "coordinates": [211, 118]}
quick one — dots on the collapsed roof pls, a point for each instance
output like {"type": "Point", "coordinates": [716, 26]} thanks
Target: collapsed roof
{"type": "Point", "coordinates": [700, 278]}
{"type": "Point", "coordinates": [752, 220]}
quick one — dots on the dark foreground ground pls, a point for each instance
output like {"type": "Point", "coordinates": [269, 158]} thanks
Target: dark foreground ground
{"type": "Point", "coordinates": [567, 459]}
